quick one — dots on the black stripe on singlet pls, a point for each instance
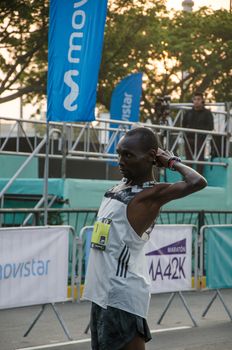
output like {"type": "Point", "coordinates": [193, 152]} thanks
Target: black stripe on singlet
{"type": "Point", "coordinates": [123, 261]}
{"type": "Point", "coordinates": [126, 267]}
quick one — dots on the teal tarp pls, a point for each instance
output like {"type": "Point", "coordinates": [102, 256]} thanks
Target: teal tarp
{"type": "Point", "coordinates": [34, 186]}
{"type": "Point", "coordinates": [86, 193]}
{"type": "Point", "coordinates": [11, 163]}
{"type": "Point", "coordinates": [218, 257]}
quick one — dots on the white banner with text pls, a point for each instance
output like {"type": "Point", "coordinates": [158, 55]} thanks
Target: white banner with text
{"type": "Point", "coordinates": [169, 258]}
{"type": "Point", "coordinates": [33, 265]}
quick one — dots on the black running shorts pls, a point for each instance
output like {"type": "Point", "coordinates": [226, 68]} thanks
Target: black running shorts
{"type": "Point", "coordinates": [113, 328]}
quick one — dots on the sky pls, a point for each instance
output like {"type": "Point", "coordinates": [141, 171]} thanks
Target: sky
{"type": "Point", "coordinates": [11, 109]}
{"type": "Point", "coordinates": [215, 4]}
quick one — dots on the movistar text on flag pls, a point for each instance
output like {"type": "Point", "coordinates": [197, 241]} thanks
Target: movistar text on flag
{"type": "Point", "coordinates": [125, 106]}
{"type": "Point", "coordinates": [125, 100]}
{"type": "Point", "coordinates": [76, 32]}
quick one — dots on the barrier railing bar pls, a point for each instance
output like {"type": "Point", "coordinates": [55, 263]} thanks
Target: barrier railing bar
{"type": "Point", "coordinates": [92, 210]}
{"type": "Point", "coordinates": [196, 257]}
{"type": "Point", "coordinates": [112, 157]}
{"type": "Point", "coordinates": [80, 258]}
{"type": "Point", "coordinates": [41, 201]}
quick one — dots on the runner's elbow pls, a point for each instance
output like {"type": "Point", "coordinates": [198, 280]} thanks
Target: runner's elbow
{"type": "Point", "coordinates": [199, 183]}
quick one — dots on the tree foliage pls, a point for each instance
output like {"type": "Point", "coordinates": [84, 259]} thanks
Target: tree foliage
{"type": "Point", "coordinates": [23, 48]}
{"type": "Point", "coordinates": [201, 44]}
{"type": "Point", "coordinates": [178, 52]}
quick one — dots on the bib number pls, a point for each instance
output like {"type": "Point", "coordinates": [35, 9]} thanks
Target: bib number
{"type": "Point", "coordinates": [100, 234]}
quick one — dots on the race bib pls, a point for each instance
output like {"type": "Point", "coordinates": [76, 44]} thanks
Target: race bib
{"type": "Point", "coordinates": [100, 234]}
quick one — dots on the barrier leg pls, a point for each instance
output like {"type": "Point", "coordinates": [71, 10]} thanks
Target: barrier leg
{"type": "Point", "coordinates": [58, 317]}
{"type": "Point", "coordinates": [87, 328]}
{"type": "Point", "coordinates": [187, 308]}
{"type": "Point", "coordinates": [166, 308]}
{"type": "Point", "coordinates": [224, 304]}
{"type": "Point", "coordinates": [61, 322]}
{"type": "Point", "coordinates": [35, 320]}
{"type": "Point", "coordinates": [210, 304]}
{"type": "Point", "coordinates": [184, 303]}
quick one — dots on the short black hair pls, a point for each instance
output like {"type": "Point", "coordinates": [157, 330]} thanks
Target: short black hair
{"type": "Point", "coordinates": [198, 93]}
{"type": "Point", "coordinates": [147, 138]}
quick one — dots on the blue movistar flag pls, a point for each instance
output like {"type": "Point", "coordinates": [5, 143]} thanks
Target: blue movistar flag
{"type": "Point", "coordinates": [125, 103]}
{"type": "Point", "coordinates": [125, 100]}
{"type": "Point", "coordinates": [76, 32]}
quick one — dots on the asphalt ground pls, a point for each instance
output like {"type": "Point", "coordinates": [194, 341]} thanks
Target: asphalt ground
{"type": "Point", "coordinates": [176, 332]}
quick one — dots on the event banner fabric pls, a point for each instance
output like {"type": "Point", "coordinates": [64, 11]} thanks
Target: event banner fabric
{"type": "Point", "coordinates": [33, 266]}
{"type": "Point", "coordinates": [125, 103]}
{"type": "Point", "coordinates": [125, 100]}
{"type": "Point", "coordinates": [169, 258]}
{"type": "Point", "coordinates": [218, 253]}
{"type": "Point", "coordinates": [76, 32]}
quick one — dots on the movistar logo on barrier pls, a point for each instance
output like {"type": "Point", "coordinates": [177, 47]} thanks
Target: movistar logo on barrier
{"type": "Point", "coordinates": [75, 47]}
{"type": "Point", "coordinates": [178, 247]}
{"type": "Point", "coordinates": [24, 269]}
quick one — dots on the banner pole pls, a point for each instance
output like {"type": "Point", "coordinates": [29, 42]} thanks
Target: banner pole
{"type": "Point", "coordinates": [46, 174]}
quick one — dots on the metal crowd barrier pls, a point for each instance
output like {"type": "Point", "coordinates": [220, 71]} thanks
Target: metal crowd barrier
{"type": "Point", "coordinates": [34, 284]}
{"type": "Point", "coordinates": [211, 257]}
{"type": "Point", "coordinates": [76, 218]}
{"type": "Point", "coordinates": [79, 218]}
{"type": "Point", "coordinates": [216, 262]}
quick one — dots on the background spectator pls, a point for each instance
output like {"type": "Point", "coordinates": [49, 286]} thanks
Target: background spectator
{"type": "Point", "coordinates": [197, 118]}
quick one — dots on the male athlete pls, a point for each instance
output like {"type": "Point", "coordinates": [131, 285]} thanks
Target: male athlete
{"type": "Point", "coordinates": [117, 280]}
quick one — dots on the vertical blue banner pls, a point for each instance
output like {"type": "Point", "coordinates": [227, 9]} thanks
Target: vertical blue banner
{"type": "Point", "coordinates": [125, 103]}
{"type": "Point", "coordinates": [76, 32]}
{"type": "Point", "coordinates": [125, 100]}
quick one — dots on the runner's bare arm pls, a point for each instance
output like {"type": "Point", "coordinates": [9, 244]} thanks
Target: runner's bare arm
{"type": "Point", "coordinates": [192, 181]}
{"type": "Point", "coordinates": [144, 208]}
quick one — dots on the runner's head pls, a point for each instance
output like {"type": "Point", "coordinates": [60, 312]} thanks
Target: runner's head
{"type": "Point", "coordinates": [137, 152]}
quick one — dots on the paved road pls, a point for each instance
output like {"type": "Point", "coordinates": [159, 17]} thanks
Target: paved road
{"type": "Point", "coordinates": [176, 332]}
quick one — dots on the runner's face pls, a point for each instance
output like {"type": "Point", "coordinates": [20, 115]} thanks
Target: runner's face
{"type": "Point", "coordinates": [134, 163]}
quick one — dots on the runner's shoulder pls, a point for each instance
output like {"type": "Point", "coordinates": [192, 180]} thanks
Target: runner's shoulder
{"type": "Point", "coordinates": [157, 188]}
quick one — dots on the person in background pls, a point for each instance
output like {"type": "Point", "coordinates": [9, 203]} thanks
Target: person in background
{"type": "Point", "coordinates": [117, 280]}
{"type": "Point", "coordinates": [197, 118]}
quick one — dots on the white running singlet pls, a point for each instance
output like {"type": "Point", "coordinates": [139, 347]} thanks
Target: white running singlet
{"type": "Point", "coordinates": [117, 273]}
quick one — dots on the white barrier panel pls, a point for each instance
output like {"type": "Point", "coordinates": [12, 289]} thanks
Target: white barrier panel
{"type": "Point", "coordinates": [33, 265]}
{"type": "Point", "coordinates": [169, 257]}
